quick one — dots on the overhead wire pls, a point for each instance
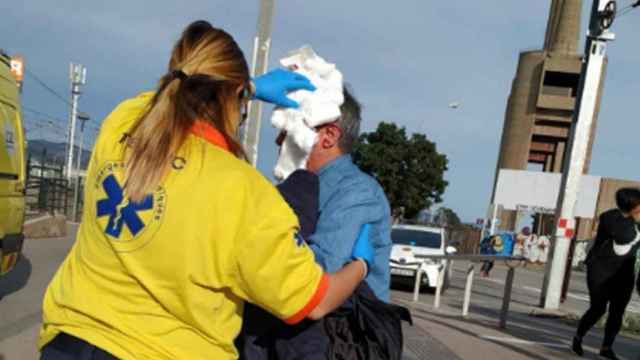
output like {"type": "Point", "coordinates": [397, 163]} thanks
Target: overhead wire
{"type": "Point", "coordinates": [37, 112]}
{"type": "Point", "coordinates": [47, 87]}
{"type": "Point", "coordinates": [90, 129]}
{"type": "Point", "coordinates": [627, 9]}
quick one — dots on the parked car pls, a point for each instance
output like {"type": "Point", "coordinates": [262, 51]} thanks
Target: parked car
{"type": "Point", "coordinates": [412, 246]}
{"type": "Point", "coordinates": [12, 169]}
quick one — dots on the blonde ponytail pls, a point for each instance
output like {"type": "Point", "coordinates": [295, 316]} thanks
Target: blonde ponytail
{"type": "Point", "coordinates": [207, 71]}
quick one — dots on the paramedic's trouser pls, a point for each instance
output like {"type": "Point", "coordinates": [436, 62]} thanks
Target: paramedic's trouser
{"type": "Point", "coordinates": [266, 337]}
{"type": "Point", "coordinates": [616, 292]}
{"type": "Point", "coordinates": [67, 347]}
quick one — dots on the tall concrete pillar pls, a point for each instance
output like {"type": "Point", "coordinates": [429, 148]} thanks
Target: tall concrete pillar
{"type": "Point", "coordinates": [536, 99]}
{"type": "Point", "coordinates": [563, 27]}
{"type": "Point", "coordinates": [521, 112]}
{"type": "Point", "coordinates": [558, 157]}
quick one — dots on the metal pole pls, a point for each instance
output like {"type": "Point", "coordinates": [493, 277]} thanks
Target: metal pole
{"type": "Point", "coordinates": [506, 299]}
{"type": "Point", "coordinates": [78, 76]}
{"type": "Point", "coordinates": [440, 281]}
{"type": "Point", "coordinates": [590, 81]}
{"type": "Point", "coordinates": [76, 190]}
{"type": "Point", "coordinates": [417, 285]}
{"type": "Point", "coordinates": [467, 290]}
{"type": "Point", "coordinates": [494, 218]}
{"type": "Point", "coordinates": [261, 46]}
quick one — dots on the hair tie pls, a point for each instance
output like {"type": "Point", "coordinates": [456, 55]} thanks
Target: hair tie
{"type": "Point", "coordinates": [179, 74]}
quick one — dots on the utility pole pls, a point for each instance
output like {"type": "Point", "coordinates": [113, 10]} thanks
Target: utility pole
{"type": "Point", "coordinates": [261, 46]}
{"type": "Point", "coordinates": [78, 76]}
{"type": "Point", "coordinates": [602, 16]}
{"type": "Point", "coordinates": [83, 117]}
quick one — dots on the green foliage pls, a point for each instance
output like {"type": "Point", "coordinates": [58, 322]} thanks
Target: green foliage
{"type": "Point", "coordinates": [410, 169]}
{"type": "Point", "coordinates": [447, 217]}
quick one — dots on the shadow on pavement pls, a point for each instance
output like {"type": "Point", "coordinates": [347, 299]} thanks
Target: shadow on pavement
{"type": "Point", "coordinates": [525, 327]}
{"type": "Point", "coordinates": [16, 279]}
{"type": "Point", "coordinates": [444, 320]}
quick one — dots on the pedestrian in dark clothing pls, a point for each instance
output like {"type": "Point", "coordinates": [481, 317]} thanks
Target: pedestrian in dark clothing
{"type": "Point", "coordinates": [362, 328]}
{"type": "Point", "coordinates": [487, 247]}
{"type": "Point", "coordinates": [610, 270]}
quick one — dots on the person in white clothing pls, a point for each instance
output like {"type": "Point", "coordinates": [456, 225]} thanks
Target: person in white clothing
{"type": "Point", "coordinates": [543, 249]}
{"type": "Point", "coordinates": [530, 249]}
{"type": "Point", "coordinates": [518, 247]}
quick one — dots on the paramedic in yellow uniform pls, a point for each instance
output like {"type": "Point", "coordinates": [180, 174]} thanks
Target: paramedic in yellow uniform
{"type": "Point", "coordinates": [178, 230]}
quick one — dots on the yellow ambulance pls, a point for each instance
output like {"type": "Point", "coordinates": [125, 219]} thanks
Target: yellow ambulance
{"type": "Point", "coordinates": [12, 168]}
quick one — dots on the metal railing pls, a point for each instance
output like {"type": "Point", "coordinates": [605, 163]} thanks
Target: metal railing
{"type": "Point", "coordinates": [510, 261]}
{"type": "Point", "coordinates": [46, 188]}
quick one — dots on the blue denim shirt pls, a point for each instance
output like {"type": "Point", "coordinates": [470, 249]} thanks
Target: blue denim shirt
{"type": "Point", "coordinates": [349, 199]}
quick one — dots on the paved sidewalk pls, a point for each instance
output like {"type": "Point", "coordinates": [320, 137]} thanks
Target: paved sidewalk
{"type": "Point", "coordinates": [478, 336]}
{"type": "Point", "coordinates": [420, 344]}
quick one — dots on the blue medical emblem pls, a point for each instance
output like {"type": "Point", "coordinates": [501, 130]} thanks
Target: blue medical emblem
{"type": "Point", "coordinates": [121, 211]}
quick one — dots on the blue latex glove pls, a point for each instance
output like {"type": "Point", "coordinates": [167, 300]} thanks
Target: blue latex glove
{"type": "Point", "coordinates": [362, 249]}
{"type": "Point", "coordinates": [274, 86]}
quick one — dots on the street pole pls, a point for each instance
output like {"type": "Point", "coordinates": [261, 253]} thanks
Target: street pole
{"type": "Point", "coordinates": [261, 46]}
{"type": "Point", "coordinates": [494, 219]}
{"type": "Point", "coordinates": [78, 76]}
{"type": "Point", "coordinates": [602, 15]}
{"type": "Point", "coordinates": [83, 117]}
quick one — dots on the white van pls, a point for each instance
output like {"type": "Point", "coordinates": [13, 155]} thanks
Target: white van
{"type": "Point", "coordinates": [412, 244]}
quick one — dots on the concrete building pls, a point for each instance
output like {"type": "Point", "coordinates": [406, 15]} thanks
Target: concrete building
{"type": "Point", "coordinates": [541, 104]}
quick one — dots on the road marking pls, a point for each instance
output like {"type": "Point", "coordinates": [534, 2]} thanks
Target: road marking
{"type": "Point", "coordinates": [522, 342]}
{"type": "Point", "coordinates": [530, 288]}
{"type": "Point", "coordinates": [634, 306]}
{"type": "Point", "coordinates": [493, 280]}
{"type": "Point", "coordinates": [578, 297]}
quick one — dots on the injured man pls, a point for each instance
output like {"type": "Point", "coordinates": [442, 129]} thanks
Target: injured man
{"type": "Point", "coordinates": [333, 199]}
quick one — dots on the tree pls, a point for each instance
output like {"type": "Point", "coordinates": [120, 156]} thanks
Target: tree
{"type": "Point", "coordinates": [446, 217]}
{"type": "Point", "coordinates": [409, 169]}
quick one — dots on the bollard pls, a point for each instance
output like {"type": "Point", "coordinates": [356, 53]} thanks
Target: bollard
{"type": "Point", "coordinates": [436, 300]}
{"type": "Point", "coordinates": [416, 287]}
{"type": "Point", "coordinates": [506, 298]}
{"type": "Point", "coordinates": [467, 291]}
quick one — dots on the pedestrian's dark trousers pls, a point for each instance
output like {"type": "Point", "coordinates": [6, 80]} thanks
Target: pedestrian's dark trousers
{"type": "Point", "coordinates": [615, 292]}
{"type": "Point", "coordinates": [67, 347]}
{"type": "Point", "coordinates": [487, 266]}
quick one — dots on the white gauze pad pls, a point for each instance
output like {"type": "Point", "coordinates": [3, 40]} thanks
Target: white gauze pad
{"type": "Point", "coordinates": [316, 108]}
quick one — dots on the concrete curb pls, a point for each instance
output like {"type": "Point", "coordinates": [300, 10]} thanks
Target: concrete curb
{"type": "Point", "coordinates": [46, 226]}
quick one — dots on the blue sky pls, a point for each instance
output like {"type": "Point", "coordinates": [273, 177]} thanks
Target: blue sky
{"type": "Point", "coordinates": [406, 61]}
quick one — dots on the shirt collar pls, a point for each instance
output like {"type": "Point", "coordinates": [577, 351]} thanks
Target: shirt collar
{"type": "Point", "coordinates": [210, 134]}
{"type": "Point", "coordinates": [337, 164]}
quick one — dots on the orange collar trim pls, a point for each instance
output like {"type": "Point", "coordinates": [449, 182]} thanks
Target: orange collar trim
{"type": "Point", "coordinates": [209, 133]}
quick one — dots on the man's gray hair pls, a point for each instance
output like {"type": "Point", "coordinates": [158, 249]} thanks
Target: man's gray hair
{"type": "Point", "coordinates": [349, 121]}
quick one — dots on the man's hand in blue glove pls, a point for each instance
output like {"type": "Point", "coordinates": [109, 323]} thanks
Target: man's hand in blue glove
{"type": "Point", "coordinates": [274, 86]}
{"type": "Point", "coordinates": [362, 249]}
